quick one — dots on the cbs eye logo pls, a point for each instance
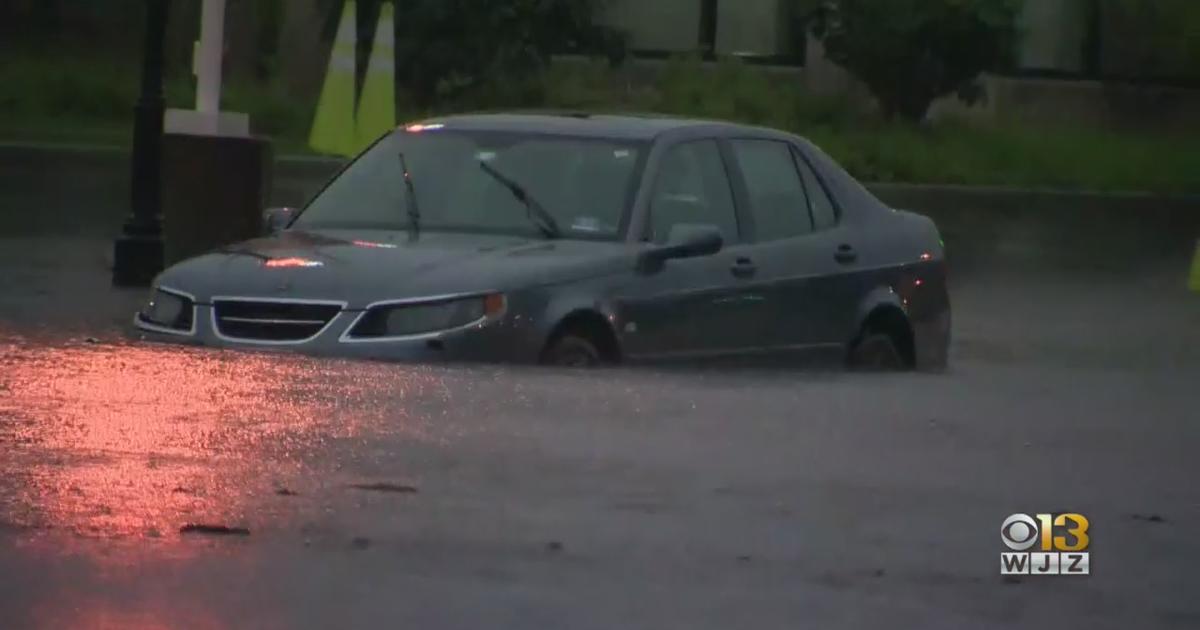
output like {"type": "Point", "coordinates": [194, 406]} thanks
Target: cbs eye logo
{"type": "Point", "coordinates": [1061, 544]}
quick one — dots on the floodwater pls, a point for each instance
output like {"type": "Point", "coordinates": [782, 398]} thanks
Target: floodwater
{"type": "Point", "coordinates": [123, 440]}
{"type": "Point", "coordinates": [381, 495]}
{"type": "Point", "coordinates": [367, 494]}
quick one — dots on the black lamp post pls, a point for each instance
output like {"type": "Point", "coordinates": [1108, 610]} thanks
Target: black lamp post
{"type": "Point", "coordinates": [708, 28]}
{"type": "Point", "coordinates": [138, 252]}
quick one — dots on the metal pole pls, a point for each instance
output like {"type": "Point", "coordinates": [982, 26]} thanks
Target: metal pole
{"type": "Point", "coordinates": [138, 252]}
{"type": "Point", "coordinates": [1093, 41]}
{"type": "Point", "coordinates": [708, 28]}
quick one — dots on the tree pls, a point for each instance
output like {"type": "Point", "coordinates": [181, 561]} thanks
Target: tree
{"type": "Point", "coordinates": [1159, 40]}
{"type": "Point", "coordinates": [446, 48]}
{"type": "Point", "coordinates": [911, 52]}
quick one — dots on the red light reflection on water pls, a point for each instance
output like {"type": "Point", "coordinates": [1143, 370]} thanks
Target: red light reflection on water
{"type": "Point", "coordinates": [107, 450]}
{"type": "Point", "coordinates": [292, 262]}
{"type": "Point", "coordinates": [374, 245]}
{"type": "Point", "coordinates": [120, 441]}
{"type": "Point", "coordinates": [88, 611]}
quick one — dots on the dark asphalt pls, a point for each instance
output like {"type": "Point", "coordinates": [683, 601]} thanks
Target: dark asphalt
{"type": "Point", "coordinates": [615, 499]}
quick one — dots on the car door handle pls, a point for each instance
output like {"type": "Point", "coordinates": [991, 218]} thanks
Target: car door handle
{"type": "Point", "coordinates": [743, 268]}
{"type": "Point", "coordinates": [845, 254]}
{"type": "Point", "coordinates": [744, 298]}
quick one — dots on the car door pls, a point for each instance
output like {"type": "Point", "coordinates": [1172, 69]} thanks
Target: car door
{"type": "Point", "coordinates": [795, 243]}
{"type": "Point", "coordinates": [837, 282]}
{"type": "Point", "coordinates": [695, 306]}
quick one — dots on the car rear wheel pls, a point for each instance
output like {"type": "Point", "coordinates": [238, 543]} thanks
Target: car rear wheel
{"type": "Point", "coordinates": [572, 351]}
{"type": "Point", "coordinates": [876, 352]}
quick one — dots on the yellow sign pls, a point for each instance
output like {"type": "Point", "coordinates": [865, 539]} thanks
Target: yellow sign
{"type": "Point", "coordinates": [377, 105]}
{"type": "Point", "coordinates": [333, 129]}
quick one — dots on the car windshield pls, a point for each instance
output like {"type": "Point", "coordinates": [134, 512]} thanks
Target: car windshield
{"type": "Point", "coordinates": [585, 184]}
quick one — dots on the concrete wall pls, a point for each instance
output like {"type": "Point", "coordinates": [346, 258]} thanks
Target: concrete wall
{"type": "Point", "coordinates": [1032, 229]}
{"type": "Point", "coordinates": [1075, 102]}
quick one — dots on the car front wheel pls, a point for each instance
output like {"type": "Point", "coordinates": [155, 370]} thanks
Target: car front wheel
{"type": "Point", "coordinates": [572, 351]}
{"type": "Point", "coordinates": [876, 352]}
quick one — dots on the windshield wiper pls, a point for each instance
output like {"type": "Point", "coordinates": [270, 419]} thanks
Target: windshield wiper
{"type": "Point", "coordinates": [536, 212]}
{"type": "Point", "coordinates": [414, 212]}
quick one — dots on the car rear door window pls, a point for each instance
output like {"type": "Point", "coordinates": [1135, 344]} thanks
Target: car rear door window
{"type": "Point", "coordinates": [824, 213]}
{"type": "Point", "coordinates": [693, 189]}
{"type": "Point", "coordinates": [777, 198]}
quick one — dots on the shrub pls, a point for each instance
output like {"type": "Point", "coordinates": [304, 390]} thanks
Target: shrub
{"type": "Point", "coordinates": [910, 52]}
{"type": "Point", "coordinates": [1162, 36]}
{"type": "Point", "coordinates": [687, 86]}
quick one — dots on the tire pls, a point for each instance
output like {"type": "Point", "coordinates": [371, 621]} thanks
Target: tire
{"type": "Point", "coordinates": [876, 352]}
{"type": "Point", "coordinates": [572, 351]}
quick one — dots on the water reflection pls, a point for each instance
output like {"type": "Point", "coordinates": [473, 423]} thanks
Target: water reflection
{"type": "Point", "coordinates": [125, 440]}
{"type": "Point", "coordinates": [89, 611]}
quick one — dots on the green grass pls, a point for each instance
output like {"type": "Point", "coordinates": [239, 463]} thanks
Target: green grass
{"type": "Point", "coordinates": [72, 101]}
{"type": "Point", "coordinates": [1013, 155]}
{"type": "Point", "coordinates": [67, 100]}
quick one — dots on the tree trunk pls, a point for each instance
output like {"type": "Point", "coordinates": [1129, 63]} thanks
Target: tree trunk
{"type": "Point", "coordinates": [241, 39]}
{"type": "Point", "coordinates": [303, 50]}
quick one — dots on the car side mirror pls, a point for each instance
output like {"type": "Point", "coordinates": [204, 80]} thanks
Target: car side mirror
{"type": "Point", "coordinates": [276, 220]}
{"type": "Point", "coordinates": [685, 241]}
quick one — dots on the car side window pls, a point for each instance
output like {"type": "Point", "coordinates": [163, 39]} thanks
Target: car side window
{"type": "Point", "coordinates": [777, 196]}
{"type": "Point", "coordinates": [824, 213]}
{"type": "Point", "coordinates": [693, 188]}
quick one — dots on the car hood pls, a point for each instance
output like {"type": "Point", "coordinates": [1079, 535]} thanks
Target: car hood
{"type": "Point", "coordinates": [364, 266]}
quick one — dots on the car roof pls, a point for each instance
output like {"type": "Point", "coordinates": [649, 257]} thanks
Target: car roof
{"type": "Point", "coordinates": [851, 195]}
{"type": "Point", "coordinates": [581, 124]}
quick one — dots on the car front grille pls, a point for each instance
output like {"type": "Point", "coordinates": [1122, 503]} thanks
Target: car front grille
{"type": "Point", "coordinates": [253, 320]}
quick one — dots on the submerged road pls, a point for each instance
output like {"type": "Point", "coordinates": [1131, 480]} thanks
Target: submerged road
{"type": "Point", "coordinates": [380, 495]}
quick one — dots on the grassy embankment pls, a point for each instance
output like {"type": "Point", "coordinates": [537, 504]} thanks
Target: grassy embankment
{"type": "Point", "coordinates": [89, 102]}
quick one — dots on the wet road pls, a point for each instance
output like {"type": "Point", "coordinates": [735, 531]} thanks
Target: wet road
{"type": "Point", "coordinates": [380, 495]}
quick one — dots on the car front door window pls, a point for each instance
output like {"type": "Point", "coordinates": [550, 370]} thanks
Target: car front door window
{"type": "Point", "coordinates": [693, 188]}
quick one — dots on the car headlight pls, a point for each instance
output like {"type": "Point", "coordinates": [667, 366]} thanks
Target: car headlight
{"type": "Point", "coordinates": [168, 310]}
{"type": "Point", "coordinates": [406, 320]}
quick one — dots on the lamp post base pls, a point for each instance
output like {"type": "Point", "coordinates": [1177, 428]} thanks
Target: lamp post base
{"type": "Point", "coordinates": [137, 260]}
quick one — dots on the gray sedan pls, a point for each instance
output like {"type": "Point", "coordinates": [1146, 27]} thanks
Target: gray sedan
{"type": "Point", "coordinates": [576, 240]}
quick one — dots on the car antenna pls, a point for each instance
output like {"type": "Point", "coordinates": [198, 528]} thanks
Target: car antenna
{"type": "Point", "coordinates": [414, 212]}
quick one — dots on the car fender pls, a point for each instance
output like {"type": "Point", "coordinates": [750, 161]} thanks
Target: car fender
{"type": "Point", "coordinates": [565, 304]}
{"type": "Point", "coordinates": [930, 328]}
{"type": "Point", "coordinates": [880, 296]}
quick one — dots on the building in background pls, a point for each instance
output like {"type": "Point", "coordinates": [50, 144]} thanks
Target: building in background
{"type": "Point", "coordinates": [1089, 39]}
{"type": "Point", "coordinates": [765, 30]}
{"type": "Point", "coordinates": [1132, 63]}
{"type": "Point", "coordinates": [1055, 37]}
{"type": "Point", "coordinates": [1152, 41]}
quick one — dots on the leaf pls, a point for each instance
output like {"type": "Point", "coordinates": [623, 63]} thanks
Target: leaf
{"type": "Point", "coordinates": [910, 52]}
